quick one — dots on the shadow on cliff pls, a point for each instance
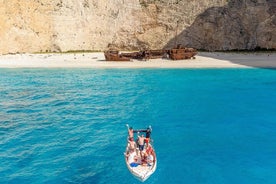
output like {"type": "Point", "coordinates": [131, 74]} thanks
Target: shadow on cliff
{"type": "Point", "coordinates": [233, 27]}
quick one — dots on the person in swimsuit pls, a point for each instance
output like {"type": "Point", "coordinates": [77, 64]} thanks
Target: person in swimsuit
{"type": "Point", "coordinates": [141, 142]}
{"type": "Point", "coordinates": [132, 159]}
{"type": "Point", "coordinates": [150, 159]}
{"type": "Point", "coordinates": [147, 139]}
{"type": "Point", "coordinates": [131, 145]}
{"type": "Point", "coordinates": [130, 132]}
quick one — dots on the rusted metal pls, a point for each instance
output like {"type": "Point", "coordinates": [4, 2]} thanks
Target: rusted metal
{"type": "Point", "coordinates": [180, 53]}
{"type": "Point", "coordinates": [133, 55]}
{"type": "Point", "coordinates": [114, 55]}
{"type": "Point", "coordinates": [177, 53]}
{"type": "Point", "coordinates": [155, 54]}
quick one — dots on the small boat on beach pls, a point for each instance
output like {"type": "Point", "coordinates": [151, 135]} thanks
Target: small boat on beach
{"type": "Point", "coordinates": [141, 164]}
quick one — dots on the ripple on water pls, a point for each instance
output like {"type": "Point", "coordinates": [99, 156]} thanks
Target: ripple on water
{"type": "Point", "coordinates": [68, 126]}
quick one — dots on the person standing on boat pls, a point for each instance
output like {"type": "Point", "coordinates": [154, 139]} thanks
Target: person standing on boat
{"type": "Point", "coordinates": [148, 132]}
{"type": "Point", "coordinates": [130, 132]}
{"type": "Point", "coordinates": [141, 142]}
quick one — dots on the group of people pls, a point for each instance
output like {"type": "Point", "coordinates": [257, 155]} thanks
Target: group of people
{"type": "Point", "coordinates": [140, 152]}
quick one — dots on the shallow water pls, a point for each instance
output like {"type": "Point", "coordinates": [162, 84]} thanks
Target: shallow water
{"type": "Point", "coordinates": [68, 125]}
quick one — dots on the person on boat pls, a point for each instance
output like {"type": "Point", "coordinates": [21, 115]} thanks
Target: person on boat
{"type": "Point", "coordinates": [149, 149]}
{"type": "Point", "coordinates": [130, 132]}
{"type": "Point", "coordinates": [132, 145]}
{"type": "Point", "coordinates": [132, 159]}
{"type": "Point", "coordinates": [150, 159]}
{"type": "Point", "coordinates": [141, 143]}
{"type": "Point", "coordinates": [147, 139]}
{"type": "Point", "coordinates": [144, 158]}
{"type": "Point", "coordinates": [147, 159]}
{"type": "Point", "coordinates": [148, 133]}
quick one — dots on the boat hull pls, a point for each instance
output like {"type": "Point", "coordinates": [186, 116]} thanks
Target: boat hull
{"type": "Point", "coordinates": [182, 53]}
{"type": "Point", "coordinates": [142, 172]}
{"type": "Point", "coordinates": [113, 55]}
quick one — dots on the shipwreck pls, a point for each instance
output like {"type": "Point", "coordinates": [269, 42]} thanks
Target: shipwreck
{"type": "Point", "coordinates": [177, 53]}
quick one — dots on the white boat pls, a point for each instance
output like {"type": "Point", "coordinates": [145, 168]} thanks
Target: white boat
{"type": "Point", "coordinates": [141, 169]}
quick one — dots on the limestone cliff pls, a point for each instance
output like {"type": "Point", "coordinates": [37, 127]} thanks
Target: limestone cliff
{"type": "Point", "coordinates": [63, 25]}
{"type": "Point", "coordinates": [244, 24]}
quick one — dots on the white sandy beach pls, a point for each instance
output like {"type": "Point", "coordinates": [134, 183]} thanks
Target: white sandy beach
{"type": "Point", "coordinates": [97, 60]}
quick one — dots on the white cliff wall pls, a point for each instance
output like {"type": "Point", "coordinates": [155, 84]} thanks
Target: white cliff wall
{"type": "Point", "coordinates": [64, 25]}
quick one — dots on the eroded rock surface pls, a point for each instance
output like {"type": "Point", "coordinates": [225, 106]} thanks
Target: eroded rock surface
{"type": "Point", "coordinates": [64, 25]}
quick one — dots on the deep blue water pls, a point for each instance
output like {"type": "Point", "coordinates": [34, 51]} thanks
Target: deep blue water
{"type": "Point", "coordinates": [68, 126]}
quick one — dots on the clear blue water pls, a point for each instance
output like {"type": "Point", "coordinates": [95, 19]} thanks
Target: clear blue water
{"type": "Point", "coordinates": [68, 126]}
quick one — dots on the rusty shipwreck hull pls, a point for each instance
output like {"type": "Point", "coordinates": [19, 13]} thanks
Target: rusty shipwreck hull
{"type": "Point", "coordinates": [114, 55]}
{"type": "Point", "coordinates": [133, 55]}
{"type": "Point", "coordinates": [155, 54]}
{"type": "Point", "coordinates": [178, 53]}
{"type": "Point", "coordinates": [182, 53]}
{"type": "Point", "coordinates": [146, 54]}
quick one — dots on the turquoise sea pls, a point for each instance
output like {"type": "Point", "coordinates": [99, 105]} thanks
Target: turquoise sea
{"type": "Point", "coordinates": [210, 126]}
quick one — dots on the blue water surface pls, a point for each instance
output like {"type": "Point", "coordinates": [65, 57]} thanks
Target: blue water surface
{"type": "Point", "coordinates": [68, 125]}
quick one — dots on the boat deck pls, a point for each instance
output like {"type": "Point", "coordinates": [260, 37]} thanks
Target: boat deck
{"type": "Point", "coordinates": [141, 170]}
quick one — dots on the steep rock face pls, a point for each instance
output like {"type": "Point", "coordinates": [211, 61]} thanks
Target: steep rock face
{"type": "Point", "coordinates": [164, 19]}
{"type": "Point", "coordinates": [25, 26]}
{"type": "Point", "coordinates": [63, 25]}
{"type": "Point", "coordinates": [245, 24]}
